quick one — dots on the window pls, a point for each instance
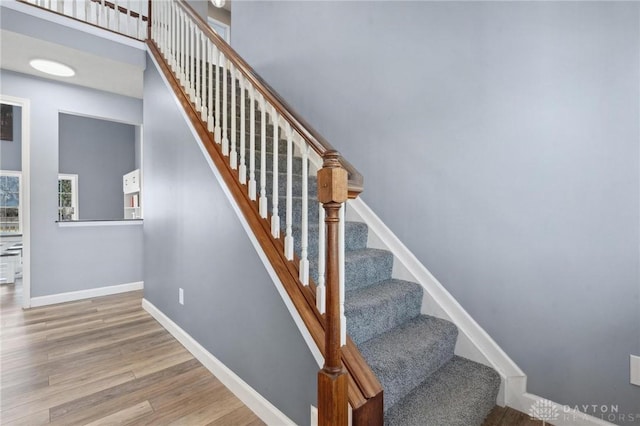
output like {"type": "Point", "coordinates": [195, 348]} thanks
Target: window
{"type": "Point", "coordinates": [10, 208]}
{"type": "Point", "coordinates": [67, 197]}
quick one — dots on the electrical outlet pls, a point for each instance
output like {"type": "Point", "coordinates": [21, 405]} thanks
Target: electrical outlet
{"type": "Point", "coordinates": [181, 296]}
{"type": "Point", "coordinates": [635, 370]}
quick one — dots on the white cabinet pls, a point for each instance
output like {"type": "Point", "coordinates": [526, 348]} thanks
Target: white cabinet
{"type": "Point", "coordinates": [131, 189]}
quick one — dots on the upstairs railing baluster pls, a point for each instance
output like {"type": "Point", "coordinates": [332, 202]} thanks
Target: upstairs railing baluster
{"type": "Point", "coordinates": [217, 133]}
{"type": "Point", "coordinates": [242, 170]}
{"type": "Point", "coordinates": [262, 206]}
{"type": "Point", "coordinates": [210, 60]}
{"type": "Point", "coordinates": [288, 234]}
{"type": "Point", "coordinates": [252, 144]}
{"type": "Point", "coordinates": [304, 240]}
{"type": "Point", "coordinates": [233, 157]}
{"type": "Point", "coordinates": [225, 108]}
{"type": "Point", "coordinates": [275, 218]}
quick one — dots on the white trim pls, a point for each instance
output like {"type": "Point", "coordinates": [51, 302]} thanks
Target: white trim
{"type": "Point", "coordinates": [25, 202]}
{"type": "Point", "coordinates": [252, 399]}
{"type": "Point", "coordinates": [473, 342]}
{"type": "Point", "coordinates": [263, 257]}
{"type": "Point", "coordinates": [85, 294]}
{"type": "Point", "coordinates": [74, 192]}
{"type": "Point", "coordinates": [18, 174]}
{"type": "Point", "coordinates": [93, 223]}
{"type": "Point", "coordinates": [67, 21]}
{"type": "Point", "coordinates": [566, 416]}
{"type": "Point", "coordinates": [222, 24]}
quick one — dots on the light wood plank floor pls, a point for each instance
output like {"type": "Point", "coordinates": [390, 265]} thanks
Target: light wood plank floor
{"type": "Point", "coordinates": [505, 416]}
{"type": "Point", "coordinates": [103, 361]}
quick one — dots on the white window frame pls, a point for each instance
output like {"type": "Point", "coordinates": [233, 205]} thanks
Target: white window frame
{"type": "Point", "coordinates": [74, 194]}
{"type": "Point", "coordinates": [17, 174]}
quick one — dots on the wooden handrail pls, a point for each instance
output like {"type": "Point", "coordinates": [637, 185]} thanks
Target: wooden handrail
{"type": "Point", "coordinates": [108, 4]}
{"type": "Point", "coordinates": [319, 144]}
{"type": "Point", "coordinates": [364, 392]}
{"type": "Point", "coordinates": [123, 9]}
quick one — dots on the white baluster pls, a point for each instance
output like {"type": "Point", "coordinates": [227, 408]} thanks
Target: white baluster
{"type": "Point", "coordinates": [117, 14]}
{"type": "Point", "coordinates": [60, 6]}
{"type": "Point", "coordinates": [275, 218]}
{"type": "Point", "coordinates": [304, 261]}
{"type": "Point", "coordinates": [183, 36]}
{"type": "Point", "coordinates": [128, 18]}
{"type": "Point", "coordinates": [288, 238]}
{"type": "Point", "coordinates": [192, 88]}
{"type": "Point", "coordinates": [233, 159]}
{"type": "Point", "coordinates": [107, 14]}
{"type": "Point", "coordinates": [217, 134]}
{"type": "Point", "coordinates": [74, 8]}
{"type": "Point", "coordinates": [321, 291]}
{"type": "Point", "coordinates": [87, 10]}
{"type": "Point", "coordinates": [203, 72]}
{"type": "Point", "coordinates": [263, 204]}
{"type": "Point", "coordinates": [252, 144]}
{"type": "Point", "coordinates": [196, 84]}
{"type": "Point", "coordinates": [242, 170]}
{"type": "Point", "coordinates": [139, 25]}
{"type": "Point", "coordinates": [343, 318]}
{"type": "Point", "coordinates": [210, 85]}
{"type": "Point", "coordinates": [225, 112]}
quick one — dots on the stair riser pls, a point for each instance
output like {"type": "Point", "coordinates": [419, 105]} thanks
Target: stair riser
{"type": "Point", "coordinates": [362, 272]}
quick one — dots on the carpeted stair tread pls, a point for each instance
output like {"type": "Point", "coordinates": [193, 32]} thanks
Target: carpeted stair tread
{"type": "Point", "coordinates": [361, 267]}
{"type": "Point", "coordinates": [355, 238]}
{"type": "Point", "coordinates": [408, 354]}
{"type": "Point", "coordinates": [376, 309]}
{"type": "Point", "coordinates": [461, 393]}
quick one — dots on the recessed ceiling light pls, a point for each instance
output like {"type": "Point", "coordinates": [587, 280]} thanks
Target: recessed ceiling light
{"type": "Point", "coordinates": [52, 67]}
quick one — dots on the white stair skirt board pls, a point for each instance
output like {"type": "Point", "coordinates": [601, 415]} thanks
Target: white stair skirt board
{"type": "Point", "coordinates": [85, 294]}
{"type": "Point", "coordinates": [267, 412]}
{"type": "Point", "coordinates": [556, 414]}
{"type": "Point", "coordinates": [263, 257]}
{"type": "Point", "coordinates": [473, 342]}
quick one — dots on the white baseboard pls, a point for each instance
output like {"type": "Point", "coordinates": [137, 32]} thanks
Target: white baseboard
{"type": "Point", "coordinates": [85, 294]}
{"type": "Point", "coordinates": [557, 414]}
{"type": "Point", "coordinates": [473, 341]}
{"type": "Point", "coordinates": [252, 399]}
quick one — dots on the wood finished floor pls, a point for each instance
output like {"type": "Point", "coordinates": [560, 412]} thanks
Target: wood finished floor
{"type": "Point", "coordinates": [505, 416]}
{"type": "Point", "coordinates": [103, 361]}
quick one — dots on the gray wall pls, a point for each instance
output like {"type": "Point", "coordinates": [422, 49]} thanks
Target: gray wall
{"type": "Point", "coordinates": [499, 141]}
{"type": "Point", "coordinates": [100, 152]}
{"type": "Point", "coordinates": [201, 7]}
{"type": "Point", "coordinates": [194, 240]}
{"type": "Point", "coordinates": [71, 259]}
{"type": "Point", "coordinates": [11, 151]}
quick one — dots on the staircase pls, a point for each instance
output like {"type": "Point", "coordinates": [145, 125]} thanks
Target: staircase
{"type": "Point", "coordinates": [411, 354]}
{"type": "Point", "coordinates": [270, 158]}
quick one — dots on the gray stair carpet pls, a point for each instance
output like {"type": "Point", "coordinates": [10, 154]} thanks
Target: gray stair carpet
{"type": "Point", "coordinates": [411, 354]}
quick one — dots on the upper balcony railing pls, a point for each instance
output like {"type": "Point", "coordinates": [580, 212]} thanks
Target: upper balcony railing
{"type": "Point", "coordinates": [126, 17]}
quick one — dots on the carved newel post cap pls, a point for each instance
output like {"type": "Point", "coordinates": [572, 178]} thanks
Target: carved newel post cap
{"type": "Point", "coordinates": [332, 180]}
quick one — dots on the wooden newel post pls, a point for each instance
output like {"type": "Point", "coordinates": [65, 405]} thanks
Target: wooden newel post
{"type": "Point", "coordinates": [332, 379]}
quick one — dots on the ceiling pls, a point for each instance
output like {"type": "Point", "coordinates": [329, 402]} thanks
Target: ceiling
{"type": "Point", "coordinates": [97, 72]}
